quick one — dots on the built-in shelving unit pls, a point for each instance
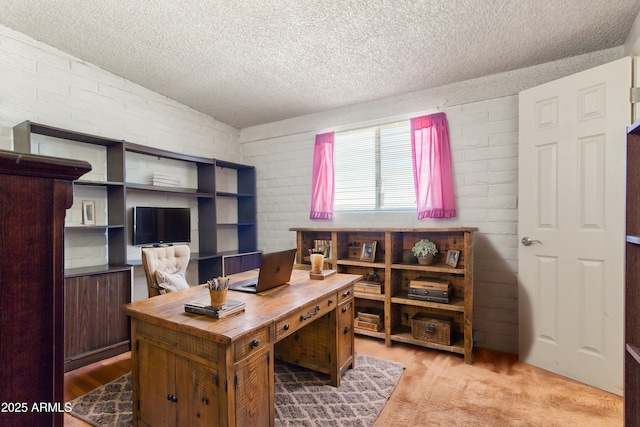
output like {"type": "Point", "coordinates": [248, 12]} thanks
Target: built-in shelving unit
{"type": "Point", "coordinates": [120, 176]}
{"type": "Point", "coordinates": [632, 279]}
{"type": "Point", "coordinates": [391, 265]}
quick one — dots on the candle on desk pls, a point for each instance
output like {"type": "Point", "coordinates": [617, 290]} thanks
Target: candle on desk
{"type": "Point", "coordinates": [316, 263]}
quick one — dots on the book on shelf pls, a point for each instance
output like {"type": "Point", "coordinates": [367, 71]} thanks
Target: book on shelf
{"type": "Point", "coordinates": [231, 307]}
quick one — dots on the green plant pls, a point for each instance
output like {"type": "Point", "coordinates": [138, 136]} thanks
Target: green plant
{"type": "Point", "coordinates": [424, 247]}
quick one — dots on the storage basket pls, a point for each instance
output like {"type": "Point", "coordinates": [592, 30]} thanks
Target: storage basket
{"type": "Point", "coordinates": [432, 328]}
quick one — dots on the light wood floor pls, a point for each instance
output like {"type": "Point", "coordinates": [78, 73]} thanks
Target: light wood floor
{"type": "Point", "coordinates": [508, 391]}
{"type": "Point", "coordinates": [87, 378]}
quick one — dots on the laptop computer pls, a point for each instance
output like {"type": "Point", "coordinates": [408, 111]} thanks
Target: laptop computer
{"type": "Point", "coordinates": [275, 270]}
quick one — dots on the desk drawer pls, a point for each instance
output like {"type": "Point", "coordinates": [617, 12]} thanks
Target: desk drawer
{"type": "Point", "coordinates": [252, 343]}
{"type": "Point", "coordinates": [345, 294]}
{"type": "Point", "coordinates": [304, 316]}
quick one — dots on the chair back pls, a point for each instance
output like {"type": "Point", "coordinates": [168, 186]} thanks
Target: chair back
{"type": "Point", "coordinates": [167, 259]}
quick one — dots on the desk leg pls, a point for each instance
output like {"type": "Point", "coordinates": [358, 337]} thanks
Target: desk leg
{"type": "Point", "coordinates": [334, 337]}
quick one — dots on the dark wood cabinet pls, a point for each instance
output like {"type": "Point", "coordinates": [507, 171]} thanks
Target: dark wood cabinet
{"type": "Point", "coordinates": [95, 324]}
{"type": "Point", "coordinates": [632, 281]}
{"type": "Point", "coordinates": [35, 191]}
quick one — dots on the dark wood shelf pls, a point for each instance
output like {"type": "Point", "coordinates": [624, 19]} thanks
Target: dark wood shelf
{"type": "Point", "coordinates": [24, 129]}
{"type": "Point", "coordinates": [93, 270]}
{"type": "Point", "coordinates": [99, 183]}
{"type": "Point", "coordinates": [158, 152]}
{"type": "Point", "coordinates": [232, 165]}
{"type": "Point", "coordinates": [172, 190]}
{"type": "Point", "coordinates": [92, 228]}
{"type": "Point", "coordinates": [233, 195]}
{"type": "Point", "coordinates": [235, 224]}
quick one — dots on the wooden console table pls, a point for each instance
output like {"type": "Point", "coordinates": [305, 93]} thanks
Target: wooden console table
{"type": "Point", "coordinates": [195, 370]}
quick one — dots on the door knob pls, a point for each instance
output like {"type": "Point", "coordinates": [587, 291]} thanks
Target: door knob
{"type": "Point", "coordinates": [528, 241]}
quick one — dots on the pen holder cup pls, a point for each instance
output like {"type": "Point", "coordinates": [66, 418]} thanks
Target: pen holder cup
{"type": "Point", "coordinates": [218, 297]}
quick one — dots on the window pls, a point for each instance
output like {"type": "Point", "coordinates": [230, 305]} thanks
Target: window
{"type": "Point", "coordinates": [373, 168]}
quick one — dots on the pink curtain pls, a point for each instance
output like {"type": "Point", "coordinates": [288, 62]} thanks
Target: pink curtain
{"type": "Point", "coordinates": [432, 173]}
{"type": "Point", "coordinates": [322, 186]}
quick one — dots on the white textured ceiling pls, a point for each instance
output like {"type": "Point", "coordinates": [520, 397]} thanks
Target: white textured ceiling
{"type": "Point", "coordinates": [249, 62]}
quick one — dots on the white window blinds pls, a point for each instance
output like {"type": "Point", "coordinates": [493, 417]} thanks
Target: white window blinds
{"type": "Point", "coordinates": [373, 168]}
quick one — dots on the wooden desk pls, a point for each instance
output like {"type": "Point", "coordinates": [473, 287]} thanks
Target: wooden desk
{"type": "Point", "coordinates": [195, 370]}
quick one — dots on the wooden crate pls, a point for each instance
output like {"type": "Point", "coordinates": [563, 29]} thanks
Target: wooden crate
{"type": "Point", "coordinates": [369, 326]}
{"type": "Point", "coordinates": [432, 328]}
{"type": "Point", "coordinates": [370, 319]}
{"type": "Point", "coordinates": [371, 315]}
{"type": "Point", "coordinates": [369, 287]}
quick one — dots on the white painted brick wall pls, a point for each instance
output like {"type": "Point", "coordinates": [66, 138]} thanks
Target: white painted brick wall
{"type": "Point", "coordinates": [483, 118]}
{"type": "Point", "coordinates": [41, 84]}
{"type": "Point", "coordinates": [484, 143]}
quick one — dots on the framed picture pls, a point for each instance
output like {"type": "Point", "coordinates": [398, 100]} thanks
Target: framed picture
{"type": "Point", "coordinates": [89, 212]}
{"type": "Point", "coordinates": [452, 258]}
{"type": "Point", "coordinates": [368, 251]}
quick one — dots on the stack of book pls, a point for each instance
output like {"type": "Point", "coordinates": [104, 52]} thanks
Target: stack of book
{"type": "Point", "coordinates": [164, 180]}
{"type": "Point", "coordinates": [228, 309]}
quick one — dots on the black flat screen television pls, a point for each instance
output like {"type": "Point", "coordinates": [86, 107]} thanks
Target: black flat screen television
{"type": "Point", "coordinates": [155, 225]}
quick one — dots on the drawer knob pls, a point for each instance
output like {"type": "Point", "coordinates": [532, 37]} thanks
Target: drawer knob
{"type": "Point", "coordinates": [172, 398]}
{"type": "Point", "coordinates": [344, 309]}
{"type": "Point", "coordinates": [346, 293]}
{"type": "Point", "coordinates": [286, 327]}
{"type": "Point", "coordinates": [346, 329]}
{"type": "Point", "coordinates": [255, 343]}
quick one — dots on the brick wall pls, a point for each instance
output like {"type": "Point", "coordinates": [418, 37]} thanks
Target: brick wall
{"type": "Point", "coordinates": [484, 143]}
{"type": "Point", "coordinates": [43, 85]}
{"type": "Point", "coordinates": [483, 118]}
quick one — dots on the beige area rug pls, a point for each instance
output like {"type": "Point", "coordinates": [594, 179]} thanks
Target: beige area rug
{"type": "Point", "coordinates": [302, 397]}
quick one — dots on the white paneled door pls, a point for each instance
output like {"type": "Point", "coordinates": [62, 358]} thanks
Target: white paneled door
{"type": "Point", "coordinates": [571, 224]}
